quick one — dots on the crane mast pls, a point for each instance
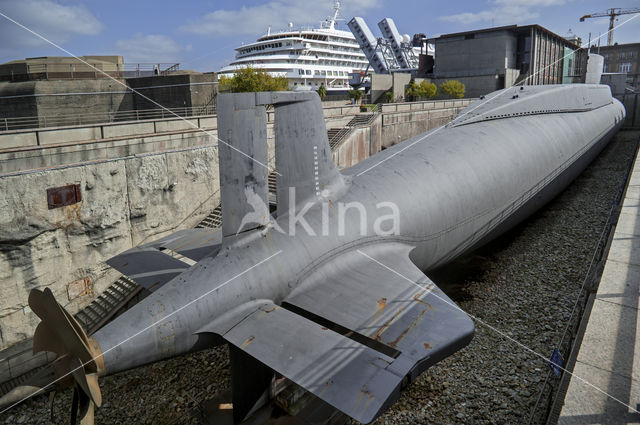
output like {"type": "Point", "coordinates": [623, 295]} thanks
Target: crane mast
{"type": "Point", "coordinates": [612, 13]}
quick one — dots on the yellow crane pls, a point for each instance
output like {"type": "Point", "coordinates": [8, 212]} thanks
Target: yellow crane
{"type": "Point", "coordinates": [612, 13]}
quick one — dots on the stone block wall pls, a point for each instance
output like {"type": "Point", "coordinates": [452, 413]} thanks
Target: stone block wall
{"type": "Point", "coordinates": [124, 202]}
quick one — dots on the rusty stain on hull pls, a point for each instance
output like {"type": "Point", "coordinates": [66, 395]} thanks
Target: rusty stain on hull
{"type": "Point", "coordinates": [404, 333]}
{"type": "Point", "coordinates": [382, 303]}
{"type": "Point", "coordinates": [377, 335]}
{"type": "Point", "coordinates": [248, 341]}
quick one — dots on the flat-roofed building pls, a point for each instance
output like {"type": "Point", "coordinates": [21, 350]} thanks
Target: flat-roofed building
{"type": "Point", "coordinates": [494, 58]}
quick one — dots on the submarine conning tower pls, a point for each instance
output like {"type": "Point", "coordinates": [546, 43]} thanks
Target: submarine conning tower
{"type": "Point", "coordinates": [520, 101]}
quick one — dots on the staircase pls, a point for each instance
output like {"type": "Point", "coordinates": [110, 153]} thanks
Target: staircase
{"type": "Point", "coordinates": [336, 135]}
{"type": "Point", "coordinates": [213, 220]}
{"type": "Point", "coordinates": [108, 304]}
{"type": "Point", "coordinates": [272, 182]}
{"type": "Point", "coordinates": [362, 119]}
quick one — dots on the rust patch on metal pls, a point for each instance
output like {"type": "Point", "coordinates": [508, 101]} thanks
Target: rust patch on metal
{"type": "Point", "coordinates": [248, 341]}
{"type": "Point", "coordinates": [324, 329]}
{"type": "Point", "coordinates": [417, 298]}
{"type": "Point", "coordinates": [63, 195]}
{"type": "Point", "coordinates": [364, 395]}
{"type": "Point", "coordinates": [79, 288]}
{"type": "Point", "coordinates": [377, 335]}
{"type": "Point", "coordinates": [382, 303]}
{"type": "Point", "coordinates": [427, 346]}
{"type": "Point", "coordinates": [406, 331]}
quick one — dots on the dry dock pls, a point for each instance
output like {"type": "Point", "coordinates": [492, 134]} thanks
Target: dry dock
{"type": "Point", "coordinates": [605, 387]}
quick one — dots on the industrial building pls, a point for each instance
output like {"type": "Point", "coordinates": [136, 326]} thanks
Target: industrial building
{"type": "Point", "coordinates": [50, 91]}
{"type": "Point", "coordinates": [494, 58]}
{"type": "Point", "coordinates": [623, 58]}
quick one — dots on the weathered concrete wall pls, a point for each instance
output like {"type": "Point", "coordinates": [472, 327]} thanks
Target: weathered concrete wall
{"type": "Point", "coordinates": [124, 202]}
{"type": "Point", "coordinates": [401, 121]}
{"type": "Point", "coordinates": [174, 90]}
{"type": "Point", "coordinates": [485, 53]}
{"type": "Point", "coordinates": [87, 96]}
{"type": "Point", "coordinates": [91, 100]}
{"type": "Point", "coordinates": [118, 140]}
{"type": "Point", "coordinates": [403, 125]}
{"type": "Point", "coordinates": [13, 161]}
{"type": "Point", "coordinates": [24, 106]}
{"type": "Point", "coordinates": [360, 144]}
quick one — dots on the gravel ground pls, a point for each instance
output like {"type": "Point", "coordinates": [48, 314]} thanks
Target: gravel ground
{"type": "Point", "coordinates": [524, 284]}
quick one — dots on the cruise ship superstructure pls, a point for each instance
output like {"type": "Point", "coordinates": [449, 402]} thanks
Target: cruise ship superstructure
{"type": "Point", "coordinates": [308, 57]}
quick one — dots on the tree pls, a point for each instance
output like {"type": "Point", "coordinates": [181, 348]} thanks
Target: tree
{"type": "Point", "coordinates": [388, 96]}
{"type": "Point", "coordinates": [452, 89]}
{"type": "Point", "coordinates": [252, 80]}
{"type": "Point", "coordinates": [355, 94]}
{"type": "Point", "coordinates": [428, 90]}
{"type": "Point", "coordinates": [322, 92]}
{"type": "Point", "coordinates": [420, 91]}
{"type": "Point", "coordinates": [411, 92]}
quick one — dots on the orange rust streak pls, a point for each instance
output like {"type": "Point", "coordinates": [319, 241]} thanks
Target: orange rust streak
{"type": "Point", "coordinates": [427, 346]}
{"type": "Point", "coordinates": [387, 324]}
{"type": "Point", "coordinates": [382, 303]}
{"type": "Point", "coordinates": [248, 341]}
{"type": "Point", "coordinates": [417, 298]}
{"type": "Point", "coordinates": [406, 331]}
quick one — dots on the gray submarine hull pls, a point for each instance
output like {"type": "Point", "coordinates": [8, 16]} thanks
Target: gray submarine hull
{"type": "Point", "coordinates": [348, 313]}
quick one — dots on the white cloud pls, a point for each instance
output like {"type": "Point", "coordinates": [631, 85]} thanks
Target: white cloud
{"type": "Point", "coordinates": [277, 14]}
{"type": "Point", "coordinates": [53, 20]}
{"type": "Point", "coordinates": [151, 48]}
{"type": "Point", "coordinates": [504, 12]}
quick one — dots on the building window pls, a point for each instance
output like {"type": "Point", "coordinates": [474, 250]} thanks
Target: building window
{"type": "Point", "coordinates": [625, 67]}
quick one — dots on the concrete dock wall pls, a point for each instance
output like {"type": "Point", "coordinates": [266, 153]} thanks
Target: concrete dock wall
{"type": "Point", "coordinates": [361, 143]}
{"type": "Point", "coordinates": [124, 202]}
{"type": "Point", "coordinates": [401, 121]}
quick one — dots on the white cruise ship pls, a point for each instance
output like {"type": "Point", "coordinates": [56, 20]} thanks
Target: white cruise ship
{"type": "Point", "coordinates": [308, 58]}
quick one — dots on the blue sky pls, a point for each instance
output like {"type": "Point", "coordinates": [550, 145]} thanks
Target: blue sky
{"type": "Point", "coordinates": [201, 34]}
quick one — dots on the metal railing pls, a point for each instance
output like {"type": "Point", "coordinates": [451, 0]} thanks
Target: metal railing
{"type": "Point", "coordinates": [132, 70]}
{"type": "Point", "coordinates": [20, 123]}
{"type": "Point", "coordinates": [80, 70]}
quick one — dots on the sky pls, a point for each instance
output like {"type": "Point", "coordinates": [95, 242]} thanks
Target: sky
{"type": "Point", "coordinates": [201, 35]}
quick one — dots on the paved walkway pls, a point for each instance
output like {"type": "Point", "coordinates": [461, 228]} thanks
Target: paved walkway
{"type": "Point", "coordinates": [609, 357]}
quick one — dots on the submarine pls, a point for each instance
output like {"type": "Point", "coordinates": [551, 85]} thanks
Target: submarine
{"type": "Point", "coordinates": [329, 290]}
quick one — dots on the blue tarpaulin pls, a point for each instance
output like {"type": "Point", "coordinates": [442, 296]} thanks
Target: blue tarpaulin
{"type": "Point", "coordinates": [555, 362]}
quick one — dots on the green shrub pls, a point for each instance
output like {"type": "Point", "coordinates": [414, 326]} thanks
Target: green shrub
{"type": "Point", "coordinates": [322, 92]}
{"type": "Point", "coordinates": [424, 90]}
{"type": "Point", "coordinates": [355, 94]}
{"type": "Point", "coordinates": [428, 90]}
{"type": "Point", "coordinates": [453, 89]}
{"type": "Point", "coordinates": [252, 80]}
